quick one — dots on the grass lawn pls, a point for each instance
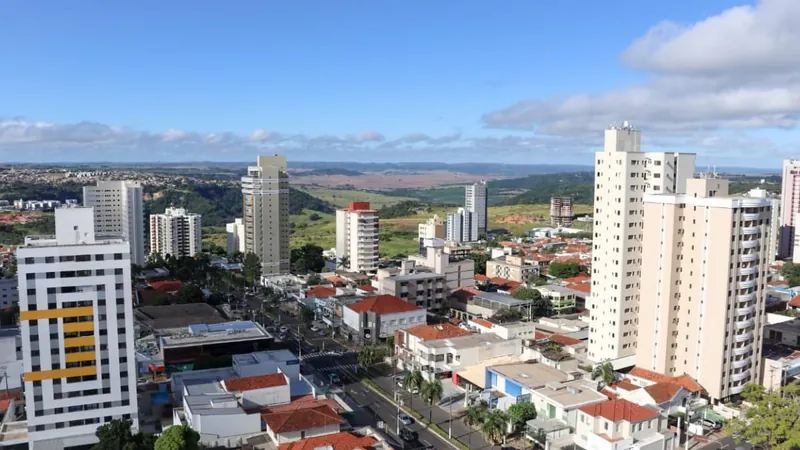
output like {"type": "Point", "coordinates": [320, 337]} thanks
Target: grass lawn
{"type": "Point", "coordinates": [342, 197]}
{"type": "Point", "coordinates": [320, 232]}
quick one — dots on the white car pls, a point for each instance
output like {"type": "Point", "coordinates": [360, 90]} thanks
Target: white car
{"type": "Point", "coordinates": [405, 419]}
{"type": "Point", "coordinates": [314, 328]}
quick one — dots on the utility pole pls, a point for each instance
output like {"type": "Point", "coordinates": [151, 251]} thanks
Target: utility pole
{"type": "Point", "coordinates": [394, 397]}
{"type": "Point", "coordinates": [450, 422]}
{"type": "Point", "coordinates": [299, 343]}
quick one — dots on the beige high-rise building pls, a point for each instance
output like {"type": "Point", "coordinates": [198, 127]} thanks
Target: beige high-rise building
{"type": "Point", "coordinates": [704, 265]}
{"type": "Point", "coordinates": [265, 205]}
{"type": "Point", "coordinates": [790, 207]}
{"type": "Point", "coordinates": [176, 232]}
{"type": "Point", "coordinates": [433, 228]}
{"type": "Point", "coordinates": [119, 209]}
{"type": "Point", "coordinates": [358, 237]}
{"type": "Point", "coordinates": [623, 174]}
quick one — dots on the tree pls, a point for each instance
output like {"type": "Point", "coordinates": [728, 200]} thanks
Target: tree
{"type": "Point", "coordinates": [343, 263]}
{"type": "Point", "coordinates": [251, 268]}
{"type": "Point", "coordinates": [370, 355]}
{"type": "Point", "coordinates": [773, 421]}
{"type": "Point", "coordinates": [520, 413]}
{"type": "Point", "coordinates": [308, 258]}
{"type": "Point", "coordinates": [494, 427]}
{"type": "Point", "coordinates": [507, 315]}
{"type": "Point", "coordinates": [413, 381]}
{"type": "Point", "coordinates": [753, 392]}
{"type": "Point", "coordinates": [11, 271]}
{"type": "Point", "coordinates": [526, 293]}
{"type": "Point", "coordinates": [313, 279]}
{"type": "Point", "coordinates": [314, 217]}
{"type": "Point", "coordinates": [390, 343]}
{"type": "Point", "coordinates": [791, 272]}
{"type": "Point", "coordinates": [117, 435]}
{"type": "Point", "coordinates": [564, 270]}
{"type": "Point", "coordinates": [604, 372]}
{"type": "Point", "coordinates": [431, 392]}
{"type": "Point", "coordinates": [474, 417]}
{"type": "Point", "coordinates": [306, 315]}
{"type": "Point", "coordinates": [480, 262]}
{"type": "Point", "coordinates": [180, 437]}
{"type": "Point", "coordinates": [189, 293]}
{"type": "Point", "coordinates": [237, 257]}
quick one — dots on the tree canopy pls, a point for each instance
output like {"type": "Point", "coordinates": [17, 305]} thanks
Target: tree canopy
{"type": "Point", "coordinates": [564, 269]}
{"type": "Point", "coordinates": [180, 437]}
{"type": "Point", "coordinates": [251, 268]}
{"type": "Point", "coordinates": [117, 435]}
{"type": "Point", "coordinates": [791, 272]}
{"type": "Point", "coordinates": [772, 421]}
{"type": "Point", "coordinates": [308, 258]}
{"type": "Point", "coordinates": [520, 413]}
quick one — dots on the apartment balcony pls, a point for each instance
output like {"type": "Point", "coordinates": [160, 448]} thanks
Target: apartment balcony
{"type": "Point", "coordinates": [744, 337]}
{"type": "Point", "coordinates": [742, 350]}
{"type": "Point", "coordinates": [749, 257]}
{"type": "Point", "coordinates": [746, 297]}
{"type": "Point", "coordinates": [740, 376]}
{"type": "Point", "coordinates": [751, 216]}
{"type": "Point", "coordinates": [748, 270]}
{"type": "Point", "coordinates": [741, 325]}
{"type": "Point", "coordinates": [741, 363]}
{"type": "Point", "coordinates": [747, 284]}
{"type": "Point", "coordinates": [736, 389]}
{"type": "Point", "coordinates": [749, 244]}
{"type": "Point", "coordinates": [749, 230]}
{"type": "Point", "coordinates": [745, 310]}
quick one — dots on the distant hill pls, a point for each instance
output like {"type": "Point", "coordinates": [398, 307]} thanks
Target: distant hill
{"type": "Point", "coordinates": [330, 171]}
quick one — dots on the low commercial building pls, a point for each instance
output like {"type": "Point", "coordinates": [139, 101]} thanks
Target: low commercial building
{"type": "Point", "coordinates": [562, 299]}
{"type": "Point", "coordinates": [486, 304]}
{"type": "Point", "coordinates": [784, 333]}
{"type": "Point", "coordinates": [517, 381]}
{"type": "Point", "coordinates": [419, 287]}
{"type": "Point", "coordinates": [557, 406]}
{"type": "Point", "coordinates": [513, 330]}
{"type": "Point", "coordinates": [180, 351]}
{"type": "Point", "coordinates": [781, 367]}
{"type": "Point", "coordinates": [512, 268]}
{"type": "Point", "coordinates": [620, 424]}
{"type": "Point", "coordinates": [372, 320]}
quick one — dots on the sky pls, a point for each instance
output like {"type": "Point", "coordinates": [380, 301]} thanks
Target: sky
{"type": "Point", "coordinates": [526, 82]}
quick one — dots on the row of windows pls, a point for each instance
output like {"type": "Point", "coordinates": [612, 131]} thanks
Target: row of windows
{"type": "Point", "coordinates": [100, 302]}
{"type": "Point", "coordinates": [75, 273]}
{"type": "Point", "coordinates": [73, 258]}
{"type": "Point", "coordinates": [77, 423]}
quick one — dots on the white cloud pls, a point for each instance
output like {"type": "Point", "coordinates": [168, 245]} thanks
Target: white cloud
{"type": "Point", "coordinates": [366, 136]}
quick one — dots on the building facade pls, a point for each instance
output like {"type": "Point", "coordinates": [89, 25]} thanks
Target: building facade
{"type": "Point", "coordinates": [704, 258]}
{"type": "Point", "coordinates": [234, 232]}
{"type": "Point", "coordinates": [462, 226]}
{"type": "Point", "coordinates": [357, 237]}
{"type": "Point", "coordinates": [790, 207]}
{"type": "Point", "coordinates": [119, 209]}
{"type": "Point", "coordinates": [511, 268]}
{"type": "Point", "coordinates": [433, 228]}
{"type": "Point", "coordinates": [8, 293]}
{"type": "Point", "coordinates": [176, 232]}
{"type": "Point", "coordinates": [265, 197]}
{"type": "Point", "coordinates": [76, 322]}
{"type": "Point", "coordinates": [623, 174]}
{"type": "Point", "coordinates": [374, 319]}
{"type": "Point", "coordinates": [476, 198]}
{"type": "Point", "coordinates": [561, 211]}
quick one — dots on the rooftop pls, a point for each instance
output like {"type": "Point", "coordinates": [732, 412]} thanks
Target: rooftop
{"type": "Point", "coordinates": [684, 380]}
{"type": "Point", "coordinates": [483, 323]}
{"type": "Point", "coordinates": [280, 356]}
{"type": "Point", "coordinates": [302, 419]}
{"type": "Point", "coordinates": [572, 393]}
{"type": "Point", "coordinates": [255, 382]}
{"type": "Point", "coordinates": [663, 392]}
{"type": "Point", "coordinates": [321, 291]}
{"type": "Point", "coordinates": [502, 300]}
{"type": "Point", "coordinates": [619, 410]}
{"type": "Point", "coordinates": [304, 402]}
{"type": "Point", "coordinates": [339, 441]}
{"type": "Point", "coordinates": [792, 326]}
{"type": "Point", "coordinates": [435, 332]}
{"type": "Point", "coordinates": [564, 340]}
{"type": "Point", "coordinates": [418, 274]}
{"type": "Point", "coordinates": [382, 305]}
{"type": "Point", "coordinates": [474, 340]}
{"type": "Point", "coordinates": [177, 316]}
{"type": "Point", "coordinates": [216, 333]}
{"type": "Point", "coordinates": [532, 375]}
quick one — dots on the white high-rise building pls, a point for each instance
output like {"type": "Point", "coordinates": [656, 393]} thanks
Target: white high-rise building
{"type": "Point", "coordinates": [772, 248]}
{"type": "Point", "coordinates": [265, 192]}
{"type": "Point", "coordinates": [476, 201]}
{"type": "Point", "coordinates": [623, 174]}
{"type": "Point", "coordinates": [234, 232]}
{"type": "Point", "coordinates": [704, 262]}
{"type": "Point", "coordinates": [462, 226]}
{"type": "Point", "coordinates": [176, 232]}
{"type": "Point", "coordinates": [76, 323]}
{"type": "Point", "coordinates": [119, 209]}
{"type": "Point", "coordinates": [790, 207]}
{"type": "Point", "coordinates": [357, 237]}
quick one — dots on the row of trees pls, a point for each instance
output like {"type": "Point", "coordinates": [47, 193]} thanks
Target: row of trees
{"type": "Point", "coordinates": [493, 423]}
{"type": "Point", "coordinates": [772, 420]}
{"type": "Point", "coordinates": [117, 435]}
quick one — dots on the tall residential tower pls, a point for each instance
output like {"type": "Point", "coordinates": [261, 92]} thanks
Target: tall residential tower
{"type": "Point", "coordinates": [623, 174]}
{"type": "Point", "coordinates": [119, 209]}
{"type": "Point", "coordinates": [76, 322]}
{"type": "Point", "coordinates": [704, 262]}
{"type": "Point", "coordinates": [476, 201]}
{"type": "Point", "coordinates": [357, 237]}
{"type": "Point", "coordinates": [790, 207]}
{"type": "Point", "coordinates": [176, 232]}
{"type": "Point", "coordinates": [265, 192]}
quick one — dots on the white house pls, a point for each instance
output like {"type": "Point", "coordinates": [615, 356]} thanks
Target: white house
{"type": "Point", "coordinates": [621, 425]}
{"type": "Point", "coordinates": [561, 400]}
{"type": "Point", "coordinates": [379, 317]}
{"type": "Point", "coordinates": [512, 330]}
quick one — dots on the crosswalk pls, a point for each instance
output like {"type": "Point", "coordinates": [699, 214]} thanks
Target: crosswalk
{"type": "Point", "coordinates": [320, 353]}
{"type": "Point", "coordinates": [338, 367]}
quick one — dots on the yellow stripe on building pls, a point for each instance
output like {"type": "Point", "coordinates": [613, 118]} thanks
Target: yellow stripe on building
{"type": "Point", "coordinates": [60, 373]}
{"type": "Point", "coordinates": [85, 341]}
{"type": "Point", "coordinates": [78, 326]}
{"type": "Point", "coordinates": [57, 313]}
{"type": "Point", "coordinates": [80, 356]}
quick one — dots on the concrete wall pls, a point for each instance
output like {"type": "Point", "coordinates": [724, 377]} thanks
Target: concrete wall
{"type": "Point", "coordinates": [278, 395]}
{"type": "Point", "coordinates": [285, 438]}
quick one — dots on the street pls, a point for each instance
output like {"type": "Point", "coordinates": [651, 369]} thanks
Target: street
{"type": "Point", "coordinates": [723, 443]}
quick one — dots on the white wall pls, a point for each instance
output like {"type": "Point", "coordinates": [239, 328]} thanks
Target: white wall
{"type": "Point", "coordinates": [351, 318]}
{"type": "Point", "coordinates": [255, 398]}
{"type": "Point", "coordinates": [284, 438]}
{"type": "Point", "coordinates": [226, 425]}
{"type": "Point", "coordinates": [393, 322]}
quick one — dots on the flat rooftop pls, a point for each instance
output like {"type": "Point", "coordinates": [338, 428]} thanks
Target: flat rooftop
{"type": "Point", "coordinates": [475, 340]}
{"type": "Point", "coordinates": [572, 393]}
{"type": "Point", "coordinates": [177, 316]}
{"type": "Point", "coordinates": [215, 334]}
{"type": "Point", "coordinates": [278, 356]}
{"type": "Point", "coordinates": [788, 327]}
{"type": "Point", "coordinates": [502, 300]}
{"type": "Point", "coordinates": [531, 375]}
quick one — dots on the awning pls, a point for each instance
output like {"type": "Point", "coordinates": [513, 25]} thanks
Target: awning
{"type": "Point", "coordinates": [476, 373]}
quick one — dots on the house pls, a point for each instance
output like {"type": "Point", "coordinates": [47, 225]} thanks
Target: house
{"type": "Point", "coordinates": [516, 382]}
{"type": "Point", "coordinates": [620, 424]}
{"type": "Point", "coordinates": [511, 330]}
{"type": "Point", "coordinates": [376, 318]}
{"type": "Point", "coordinates": [344, 440]}
{"type": "Point", "coordinates": [669, 398]}
{"type": "Point", "coordinates": [512, 268]}
{"type": "Point", "coordinates": [561, 400]}
{"type": "Point", "coordinates": [643, 377]}
{"type": "Point", "coordinates": [290, 426]}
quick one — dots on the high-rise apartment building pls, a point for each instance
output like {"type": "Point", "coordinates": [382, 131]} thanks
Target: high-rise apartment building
{"type": "Point", "coordinates": [357, 237]}
{"type": "Point", "coordinates": [790, 207]}
{"type": "Point", "coordinates": [462, 226]}
{"type": "Point", "coordinates": [433, 228]}
{"type": "Point", "coordinates": [176, 232]}
{"type": "Point", "coordinates": [705, 266]}
{"type": "Point", "coordinates": [76, 323]}
{"type": "Point", "coordinates": [772, 248]}
{"type": "Point", "coordinates": [561, 211]}
{"type": "Point", "coordinates": [234, 232]}
{"type": "Point", "coordinates": [623, 174]}
{"type": "Point", "coordinates": [119, 209]}
{"type": "Point", "coordinates": [476, 201]}
{"type": "Point", "coordinates": [265, 192]}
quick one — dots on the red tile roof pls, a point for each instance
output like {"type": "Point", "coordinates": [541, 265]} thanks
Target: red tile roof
{"type": "Point", "coordinates": [303, 402]}
{"type": "Point", "coordinates": [367, 288]}
{"type": "Point", "coordinates": [335, 279]}
{"type": "Point", "coordinates": [166, 285]}
{"type": "Point", "coordinates": [586, 288]}
{"type": "Point", "coordinates": [382, 305]}
{"type": "Point", "coordinates": [301, 419]}
{"type": "Point", "coordinates": [564, 340]}
{"type": "Point", "coordinates": [433, 332]}
{"type": "Point", "coordinates": [663, 392]}
{"type": "Point", "coordinates": [609, 393]}
{"type": "Point", "coordinates": [483, 322]}
{"type": "Point", "coordinates": [4, 404]}
{"type": "Point", "coordinates": [618, 410]}
{"type": "Point", "coordinates": [321, 291]}
{"type": "Point", "coordinates": [625, 385]}
{"type": "Point", "coordinates": [339, 441]}
{"type": "Point", "coordinates": [255, 382]}
{"type": "Point", "coordinates": [481, 278]}
{"type": "Point", "coordinates": [464, 294]}
{"type": "Point", "coordinates": [684, 380]}
{"type": "Point", "coordinates": [538, 335]}
{"type": "Point", "coordinates": [795, 302]}
{"type": "Point", "coordinates": [579, 278]}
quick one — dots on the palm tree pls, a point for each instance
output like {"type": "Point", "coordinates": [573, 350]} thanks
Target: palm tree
{"type": "Point", "coordinates": [475, 416]}
{"type": "Point", "coordinates": [605, 372]}
{"type": "Point", "coordinates": [413, 380]}
{"type": "Point", "coordinates": [431, 392]}
{"type": "Point", "coordinates": [494, 427]}
{"type": "Point", "coordinates": [344, 262]}
{"type": "Point", "coordinates": [367, 357]}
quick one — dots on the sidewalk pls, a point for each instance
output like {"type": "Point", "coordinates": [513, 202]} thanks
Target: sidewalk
{"type": "Point", "coordinates": [470, 437]}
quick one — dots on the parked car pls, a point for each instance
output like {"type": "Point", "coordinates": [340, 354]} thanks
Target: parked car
{"type": "Point", "coordinates": [405, 419]}
{"type": "Point", "coordinates": [408, 435]}
{"type": "Point", "coordinates": [314, 328]}
{"type": "Point", "coordinates": [713, 424]}
{"type": "Point", "coordinates": [334, 378]}
{"type": "Point", "coordinates": [284, 329]}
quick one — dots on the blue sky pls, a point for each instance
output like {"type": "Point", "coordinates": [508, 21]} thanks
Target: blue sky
{"type": "Point", "coordinates": [392, 81]}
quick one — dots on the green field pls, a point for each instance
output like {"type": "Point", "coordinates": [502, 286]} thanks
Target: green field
{"type": "Point", "coordinates": [342, 197]}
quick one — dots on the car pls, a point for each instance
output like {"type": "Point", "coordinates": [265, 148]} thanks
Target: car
{"type": "Point", "coordinates": [400, 383]}
{"type": "Point", "coordinates": [414, 391]}
{"type": "Point", "coordinates": [334, 378]}
{"type": "Point", "coordinates": [321, 332]}
{"type": "Point", "coordinates": [284, 329]}
{"type": "Point", "coordinates": [314, 328]}
{"type": "Point", "coordinates": [408, 435]}
{"type": "Point", "coordinates": [405, 419]}
{"type": "Point", "coordinates": [708, 423]}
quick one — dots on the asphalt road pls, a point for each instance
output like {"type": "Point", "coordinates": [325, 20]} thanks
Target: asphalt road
{"type": "Point", "coordinates": [723, 443]}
